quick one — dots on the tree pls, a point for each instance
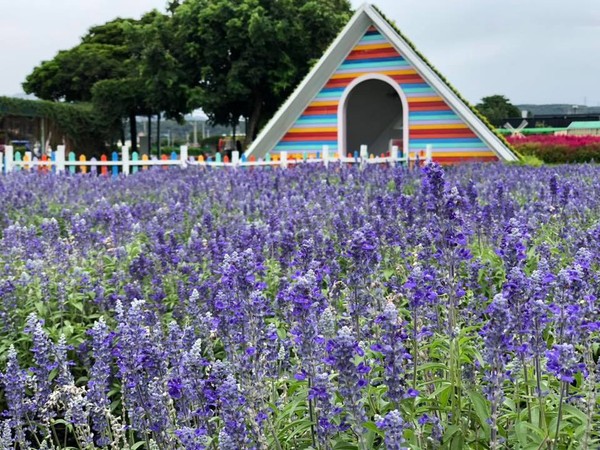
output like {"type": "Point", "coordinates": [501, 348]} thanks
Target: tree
{"type": "Point", "coordinates": [244, 58]}
{"type": "Point", "coordinates": [497, 108]}
{"type": "Point", "coordinates": [162, 74]}
{"type": "Point", "coordinates": [120, 66]}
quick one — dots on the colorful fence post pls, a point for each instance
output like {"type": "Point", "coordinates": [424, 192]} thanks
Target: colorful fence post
{"type": "Point", "coordinates": [104, 168]}
{"type": "Point", "coordinates": [18, 160]}
{"type": "Point", "coordinates": [428, 153]}
{"type": "Point", "coordinates": [7, 157]}
{"type": "Point", "coordinates": [218, 157]}
{"type": "Point", "coordinates": [82, 168]}
{"type": "Point", "coordinates": [115, 168]}
{"type": "Point", "coordinates": [183, 156]}
{"type": "Point", "coordinates": [60, 159]}
{"type": "Point", "coordinates": [394, 156]}
{"type": "Point", "coordinates": [144, 159]}
{"type": "Point", "coordinates": [53, 162]}
{"type": "Point", "coordinates": [135, 157]}
{"type": "Point", "coordinates": [164, 158]}
{"type": "Point", "coordinates": [94, 166]}
{"type": "Point", "coordinates": [174, 156]}
{"type": "Point", "coordinates": [27, 157]}
{"type": "Point", "coordinates": [72, 168]}
{"type": "Point", "coordinates": [326, 156]}
{"type": "Point", "coordinates": [364, 152]}
{"type": "Point", "coordinates": [44, 166]}
{"type": "Point", "coordinates": [125, 159]}
{"type": "Point", "coordinates": [235, 158]}
{"type": "Point", "coordinates": [284, 159]}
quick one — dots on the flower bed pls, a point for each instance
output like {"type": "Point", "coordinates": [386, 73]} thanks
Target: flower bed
{"type": "Point", "coordinates": [559, 149]}
{"type": "Point", "coordinates": [305, 308]}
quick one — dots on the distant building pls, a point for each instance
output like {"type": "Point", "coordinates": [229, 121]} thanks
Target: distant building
{"type": "Point", "coordinates": [552, 120]}
{"type": "Point", "coordinates": [591, 128]}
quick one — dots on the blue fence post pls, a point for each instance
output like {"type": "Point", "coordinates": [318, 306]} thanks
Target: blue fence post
{"type": "Point", "coordinates": [115, 168]}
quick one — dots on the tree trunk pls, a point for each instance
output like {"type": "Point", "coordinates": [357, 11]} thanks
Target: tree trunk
{"type": "Point", "coordinates": [133, 132]}
{"type": "Point", "coordinates": [122, 132]}
{"type": "Point", "coordinates": [252, 124]}
{"type": "Point", "coordinates": [158, 133]}
{"type": "Point", "coordinates": [149, 134]}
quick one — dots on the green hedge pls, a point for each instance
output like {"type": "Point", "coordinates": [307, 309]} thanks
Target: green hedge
{"type": "Point", "coordinates": [78, 122]}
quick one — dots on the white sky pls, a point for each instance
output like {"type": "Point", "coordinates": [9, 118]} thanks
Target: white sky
{"type": "Point", "coordinates": [532, 51]}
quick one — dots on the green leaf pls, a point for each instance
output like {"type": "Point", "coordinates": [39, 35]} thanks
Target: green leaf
{"type": "Point", "coordinates": [373, 427]}
{"type": "Point", "coordinates": [571, 411]}
{"type": "Point", "coordinates": [341, 445]}
{"type": "Point", "coordinates": [480, 405]}
{"type": "Point", "coordinates": [450, 432]}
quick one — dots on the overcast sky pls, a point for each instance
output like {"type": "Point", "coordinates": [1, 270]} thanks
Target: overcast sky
{"type": "Point", "coordinates": [532, 51]}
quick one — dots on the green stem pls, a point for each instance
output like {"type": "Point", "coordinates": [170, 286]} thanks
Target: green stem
{"type": "Point", "coordinates": [415, 350]}
{"type": "Point", "coordinates": [560, 404]}
{"type": "Point", "coordinates": [312, 416]}
{"type": "Point", "coordinates": [272, 428]}
{"type": "Point", "coordinates": [591, 398]}
{"type": "Point", "coordinates": [527, 390]}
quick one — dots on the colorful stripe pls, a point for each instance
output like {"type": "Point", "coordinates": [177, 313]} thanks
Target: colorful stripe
{"type": "Point", "coordinates": [431, 120]}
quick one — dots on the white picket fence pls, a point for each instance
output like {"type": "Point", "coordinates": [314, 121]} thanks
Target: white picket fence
{"type": "Point", "coordinates": [126, 163]}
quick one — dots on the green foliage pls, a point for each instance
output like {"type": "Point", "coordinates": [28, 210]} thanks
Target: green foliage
{"type": "Point", "coordinates": [71, 74]}
{"type": "Point", "coordinates": [497, 108]}
{"type": "Point", "coordinates": [78, 122]}
{"type": "Point", "coordinates": [529, 160]}
{"type": "Point", "coordinates": [244, 58]}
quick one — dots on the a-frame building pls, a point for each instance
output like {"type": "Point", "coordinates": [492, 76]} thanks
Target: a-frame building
{"type": "Point", "coordinates": [373, 88]}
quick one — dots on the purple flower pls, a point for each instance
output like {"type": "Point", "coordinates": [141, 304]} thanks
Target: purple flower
{"type": "Point", "coordinates": [564, 363]}
{"type": "Point", "coordinates": [394, 427]}
{"type": "Point", "coordinates": [342, 353]}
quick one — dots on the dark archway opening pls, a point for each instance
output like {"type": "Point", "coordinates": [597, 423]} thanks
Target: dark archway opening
{"type": "Point", "coordinates": [374, 117]}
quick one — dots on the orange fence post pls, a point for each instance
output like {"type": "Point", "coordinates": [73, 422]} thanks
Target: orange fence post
{"type": "Point", "coordinates": [44, 167]}
{"type": "Point", "coordinates": [82, 169]}
{"type": "Point", "coordinates": [104, 169]}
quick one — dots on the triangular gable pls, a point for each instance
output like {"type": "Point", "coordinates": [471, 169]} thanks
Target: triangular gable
{"type": "Point", "coordinates": [368, 44]}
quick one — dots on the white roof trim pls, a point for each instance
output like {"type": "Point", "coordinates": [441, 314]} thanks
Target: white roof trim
{"type": "Point", "coordinates": [429, 75]}
{"type": "Point", "coordinates": [346, 40]}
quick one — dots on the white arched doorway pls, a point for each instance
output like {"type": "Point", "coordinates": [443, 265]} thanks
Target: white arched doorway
{"type": "Point", "coordinates": [373, 111]}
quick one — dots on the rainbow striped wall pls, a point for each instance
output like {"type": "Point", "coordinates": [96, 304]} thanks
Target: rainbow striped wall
{"type": "Point", "coordinates": [431, 120]}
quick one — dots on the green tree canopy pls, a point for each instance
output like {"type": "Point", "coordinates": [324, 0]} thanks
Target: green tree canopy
{"type": "Point", "coordinates": [498, 108]}
{"type": "Point", "coordinates": [109, 69]}
{"type": "Point", "coordinates": [102, 54]}
{"type": "Point", "coordinates": [244, 58]}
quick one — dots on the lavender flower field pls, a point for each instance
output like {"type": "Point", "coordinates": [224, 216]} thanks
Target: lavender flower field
{"type": "Point", "coordinates": [307, 308]}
